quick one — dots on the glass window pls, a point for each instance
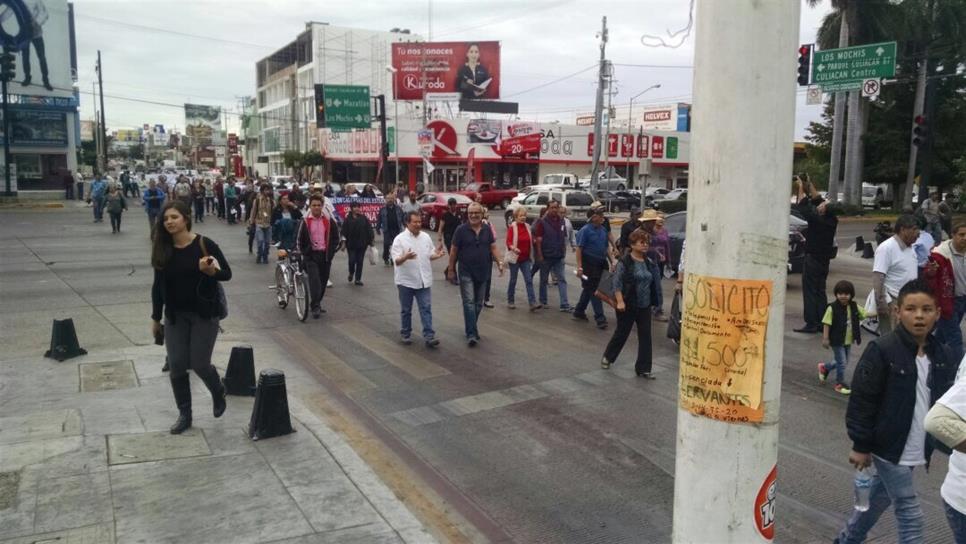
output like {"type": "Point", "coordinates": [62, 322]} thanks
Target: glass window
{"type": "Point", "coordinates": [531, 199]}
{"type": "Point", "coordinates": [676, 222]}
{"type": "Point", "coordinates": [579, 199]}
{"type": "Point", "coordinates": [542, 199]}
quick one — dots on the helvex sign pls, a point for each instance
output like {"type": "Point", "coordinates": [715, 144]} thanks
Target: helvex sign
{"type": "Point", "coordinates": [871, 61]}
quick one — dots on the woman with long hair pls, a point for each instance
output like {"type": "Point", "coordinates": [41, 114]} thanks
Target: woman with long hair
{"type": "Point", "coordinates": [636, 282]}
{"type": "Point", "coordinates": [187, 269]}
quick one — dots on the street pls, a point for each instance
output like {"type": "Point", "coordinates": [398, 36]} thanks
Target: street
{"type": "Point", "coordinates": [524, 437]}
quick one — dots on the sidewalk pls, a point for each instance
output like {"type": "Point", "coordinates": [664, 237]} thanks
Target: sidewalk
{"type": "Point", "coordinates": [85, 456]}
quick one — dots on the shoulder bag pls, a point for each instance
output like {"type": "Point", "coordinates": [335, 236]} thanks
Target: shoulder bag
{"type": "Point", "coordinates": [511, 256]}
{"type": "Point", "coordinates": [219, 300]}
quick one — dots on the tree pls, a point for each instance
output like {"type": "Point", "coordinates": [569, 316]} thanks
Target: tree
{"type": "Point", "coordinates": [293, 159]}
{"type": "Point", "coordinates": [313, 159]}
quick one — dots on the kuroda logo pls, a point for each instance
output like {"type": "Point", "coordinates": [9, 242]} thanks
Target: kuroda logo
{"type": "Point", "coordinates": [412, 83]}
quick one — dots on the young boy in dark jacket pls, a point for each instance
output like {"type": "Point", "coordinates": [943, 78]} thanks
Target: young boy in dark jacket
{"type": "Point", "coordinates": [897, 380]}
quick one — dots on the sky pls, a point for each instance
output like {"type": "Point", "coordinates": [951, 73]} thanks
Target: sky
{"type": "Point", "coordinates": [165, 53]}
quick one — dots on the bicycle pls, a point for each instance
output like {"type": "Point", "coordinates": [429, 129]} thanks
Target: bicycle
{"type": "Point", "coordinates": [291, 281]}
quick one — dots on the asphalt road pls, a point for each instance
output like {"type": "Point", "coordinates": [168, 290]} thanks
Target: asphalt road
{"type": "Point", "coordinates": [526, 428]}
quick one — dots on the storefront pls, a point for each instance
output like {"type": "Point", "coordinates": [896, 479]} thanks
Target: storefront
{"type": "Point", "coordinates": [459, 151]}
{"type": "Point", "coordinates": [43, 138]}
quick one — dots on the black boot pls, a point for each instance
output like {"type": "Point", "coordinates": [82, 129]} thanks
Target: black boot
{"type": "Point", "coordinates": [182, 397]}
{"type": "Point", "coordinates": [217, 388]}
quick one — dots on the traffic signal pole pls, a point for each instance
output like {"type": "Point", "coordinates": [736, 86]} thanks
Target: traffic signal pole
{"type": "Point", "coordinates": [740, 179]}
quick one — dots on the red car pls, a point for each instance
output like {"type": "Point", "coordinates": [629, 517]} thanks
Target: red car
{"type": "Point", "coordinates": [434, 205]}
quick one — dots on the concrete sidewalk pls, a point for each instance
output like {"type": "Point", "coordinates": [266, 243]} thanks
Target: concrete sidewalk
{"type": "Point", "coordinates": [85, 456]}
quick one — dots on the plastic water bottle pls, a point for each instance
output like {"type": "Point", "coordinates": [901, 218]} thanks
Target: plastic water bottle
{"type": "Point", "coordinates": [863, 487]}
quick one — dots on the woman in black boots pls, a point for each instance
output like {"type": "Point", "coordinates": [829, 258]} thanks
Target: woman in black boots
{"type": "Point", "coordinates": [187, 269]}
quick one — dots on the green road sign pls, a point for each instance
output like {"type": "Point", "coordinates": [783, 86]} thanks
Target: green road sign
{"type": "Point", "coordinates": [853, 85]}
{"type": "Point", "coordinates": [347, 106]}
{"type": "Point", "coordinates": [671, 148]}
{"type": "Point", "coordinates": [853, 64]}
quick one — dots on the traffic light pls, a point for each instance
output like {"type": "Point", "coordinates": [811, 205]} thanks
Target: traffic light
{"type": "Point", "coordinates": [8, 66]}
{"type": "Point", "coordinates": [919, 131]}
{"type": "Point", "coordinates": [804, 63]}
{"type": "Point", "coordinates": [319, 106]}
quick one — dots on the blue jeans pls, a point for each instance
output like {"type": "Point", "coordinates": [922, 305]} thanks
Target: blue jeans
{"type": "Point", "coordinates": [153, 217]}
{"type": "Point", "coordinates": [957, 523]}
{"type": "Point", "coordinates": [948, 331]}
{"type": "Point", "coordinates": [557, 267]}
{"type": "Point", "coordinates": [263, 237]}
{"type": "Point", "coordinates": [525, 269]}
{"type": "Point", "coordinates": [472, 293]}
{"type": "Point", "coordinates": [841, 354]}
{"type": "Point", "coordinates": [98, 208]}
{"type": "Point", "coordinates": [593, 270]}
{"type": "Point", "coordinates": [423, 300]}
{"type": "Point", "coordinates": [891, 485]}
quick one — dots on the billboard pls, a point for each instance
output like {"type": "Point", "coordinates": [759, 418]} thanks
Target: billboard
{"type": "Point", "coordinates": [127, 135]}
{"type": "Point", "coordinates": [37, 128]}
{"type": "Point", "coordinates": [471, 69]}
{"type": "Point", "coordinates": [520, 139]}
{"type": "Point", "coordinates": [670, 117]}
{"type": "Point", "coordinates": [44, 62]}
{"type": "Point", "coordinates": [484, 131]}
{"type": "Point", "coordinates": [203, 123]}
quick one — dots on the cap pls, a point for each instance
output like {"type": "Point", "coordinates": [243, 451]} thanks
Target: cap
{"type": "Point", "coordinates": [649, 214]}
{"type": "Point", "coordinates": [597, 211]}
{"type": "Point", "coordinates": [316, 185]}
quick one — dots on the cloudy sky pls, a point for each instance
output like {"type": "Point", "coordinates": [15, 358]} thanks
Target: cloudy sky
{"type": "Point", "coordinates": [160, 54]}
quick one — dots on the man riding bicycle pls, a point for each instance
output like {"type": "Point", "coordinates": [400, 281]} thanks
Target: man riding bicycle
{"type": "Point", "coordinates": [318, 241]}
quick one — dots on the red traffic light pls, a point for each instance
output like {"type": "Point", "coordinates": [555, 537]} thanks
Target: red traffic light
{"type": "Point", "coordinates": [804, 50]}
{"type": "Point", "coordinates": [920, 119]}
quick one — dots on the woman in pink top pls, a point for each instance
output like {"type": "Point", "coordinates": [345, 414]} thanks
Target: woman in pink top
{"type": "Point", "coordinates": [518, 242]}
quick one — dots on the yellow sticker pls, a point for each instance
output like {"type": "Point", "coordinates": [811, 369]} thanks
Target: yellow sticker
{"type": "Point", "coordinates": [723, 347]}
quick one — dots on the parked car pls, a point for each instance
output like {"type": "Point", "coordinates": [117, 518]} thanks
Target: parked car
{"type": "Point", "coordinates": [676, 194]}
{"type": "Point", "coordinates": [612, 182]}
{"type": "Point", "coordinates": [434, 205]}
{"type": "Point", "coordinates": [656, 192]}
{"type": "Point", "coordinates": [490, 195]}
{"type": "Point", "coordinates": [615, 202]}
{"type": "Point", "coordinates": [676, 223]}
{"type": "Point", "coordinates": [577, 202]}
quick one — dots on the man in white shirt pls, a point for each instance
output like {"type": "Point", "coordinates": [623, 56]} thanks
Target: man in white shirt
{"type": "Point", "coordinates": [412, 252]}
{"type": "Point", "coordinates": [947, 422]}
{"type": "Point", "coordinates": [895, 265]}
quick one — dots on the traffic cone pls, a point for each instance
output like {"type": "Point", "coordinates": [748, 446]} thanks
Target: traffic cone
{"type": "Point", "coordinates": [859, 243]}
{"type": "Point", "coordinates": [868, 252]}
{"type": "Point", "coordinates": [270, 415]}
{"type": "Point", "coordinates": [240, 375]}
{"type": "Point", "coordinates": [63, 341]}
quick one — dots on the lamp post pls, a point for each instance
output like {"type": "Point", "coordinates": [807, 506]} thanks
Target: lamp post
{"type": "Point", "coordinates": [395, 119]}
{"type": "Point", "coordinates": [630, 113]}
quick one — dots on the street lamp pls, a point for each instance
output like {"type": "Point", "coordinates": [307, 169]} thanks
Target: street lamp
{"type": "Point", "coordinates": [630, 111]}
{"type": "Point", "coordinates": [395, 119]}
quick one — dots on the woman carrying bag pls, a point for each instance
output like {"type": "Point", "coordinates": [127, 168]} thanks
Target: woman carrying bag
{"type": "Point", "coordinates": [636, 284]}
{"type": "Point", "coordinates": [187, 269]}
{"type": "Point", "coordinates": [518, 257]}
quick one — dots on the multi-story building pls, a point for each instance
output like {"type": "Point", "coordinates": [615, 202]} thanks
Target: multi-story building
{"type": "Point", "coordinates": [285, 81]}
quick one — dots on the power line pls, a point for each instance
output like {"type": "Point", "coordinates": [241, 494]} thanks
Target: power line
{"type": "Point", "coordinates": [558, 80]}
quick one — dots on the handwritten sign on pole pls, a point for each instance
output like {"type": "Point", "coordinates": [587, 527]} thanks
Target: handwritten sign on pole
{"type": "Point", "coordinates": [723, 347]}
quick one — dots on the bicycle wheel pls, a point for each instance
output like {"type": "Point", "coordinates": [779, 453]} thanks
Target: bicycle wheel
{"type": "Point", "coordinates": [301, 296]}
{"type": "Point", "coordinates": [281, 286]}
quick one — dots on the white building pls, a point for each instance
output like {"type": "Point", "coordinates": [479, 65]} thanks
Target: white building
{"type": "Point", "coordinates": [286, 79]}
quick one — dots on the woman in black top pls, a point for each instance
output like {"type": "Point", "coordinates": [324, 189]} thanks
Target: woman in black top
{"type": "Point", "coordinates": [472, 78]}
{"type": "Point", "coordinates": [185, 293]}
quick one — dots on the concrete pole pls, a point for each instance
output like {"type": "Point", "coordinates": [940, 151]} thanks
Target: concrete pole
{"type": "Point", "coordinates": [917, 109]}
{"type": "Point", "coordinates": [838, 118]}
{"type": "Point", "coordinates": [737, 229]}
{"type": "Point", "coordinates": [599, 106]}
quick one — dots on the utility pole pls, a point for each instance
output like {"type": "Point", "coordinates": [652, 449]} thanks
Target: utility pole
{"type": "Point", "coordinates": [97, 129]}
{"type": "Point", "coordinates": [727, 455]}
{"type": "Point", "coordinates": [838, 118]}
{"type": "Point", "coordinates": [383, 142]}
{"type": "Point", "coordinates": [605, 143]}
{"type": "Point", "coordinates": [598, 108]}
{"type": "Point", "coordinates": [927, 150]}
{"type": "Point", "coordinates": [8, 72]}
{"type": "Point", "coordinates": [103, 127]}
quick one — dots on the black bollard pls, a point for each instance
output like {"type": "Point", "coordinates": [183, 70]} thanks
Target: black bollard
{"type": "Point", "coordinates": [270, 414]}
{"type": "Point", "coordinates": [868, 252]}
{"type": "Point", "coordinates": [63, 341]}
{"type": "Point", "coordinates": [859, 243]}
{"type": "Point", "coordinates": [240, 375]}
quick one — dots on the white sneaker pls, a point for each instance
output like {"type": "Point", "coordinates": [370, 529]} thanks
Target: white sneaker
{"type": "Point", "coordinates": [329, 283]}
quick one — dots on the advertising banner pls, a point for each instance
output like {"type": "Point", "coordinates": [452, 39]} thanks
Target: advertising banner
{"type": "Point", "coordinates": [424, 138]}
{"type": "Point", "coordinates": [86, 131]}
{"type": "Point", "coordinates": [37, 128]}
{"type": "Point", "coordinates": [520, 140]}
{"type": "Point", "coordinates": [585, 120]}
{"type": "Point", "coordinates": [660, 118]}
{"type": "Point", "coordinates": [127, 135]}
{"type": "Point", "coordinates": [43, 64]}
{"type": "Point", "coordinates": [203, 123]}
{"type": "Point", "coordinates": [233, 143]}
{"type": "Point", "coordinates": [723, 347]}
{"type": "Point", "coordinates": [484, 131]}
{"type": "Point", "coordinates": [471, 69]}
{"type": "Point", "coordinates": [368, 207]}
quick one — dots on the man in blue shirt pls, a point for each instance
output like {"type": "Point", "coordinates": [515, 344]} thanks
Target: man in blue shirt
{"type": "Point", "coordinates": [153, 200]}
{"type": "Point", "coordinates": [591, 261]}
{"type": "Point", "coordinates": [98, 190]}
{"type": "Point", "coordinates": [474, 249]}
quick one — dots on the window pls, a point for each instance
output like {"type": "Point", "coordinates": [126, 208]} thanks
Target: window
{"type": "Point", "coordinates": [542, 199]}
{"type": "Point", "coordinates": [28, 166]}
{"type": "Point", "coordinates": [579, 199]}
{"type": "Point", "coordinates": [557, 196]}
{"type": "Point", "coordinates": [531, 199]}
{"type": "Point", "coordinates": [676, 222]}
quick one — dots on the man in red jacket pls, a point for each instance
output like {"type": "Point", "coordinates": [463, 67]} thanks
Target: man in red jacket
{"type": "Point", "coordinates": [948, 278]}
